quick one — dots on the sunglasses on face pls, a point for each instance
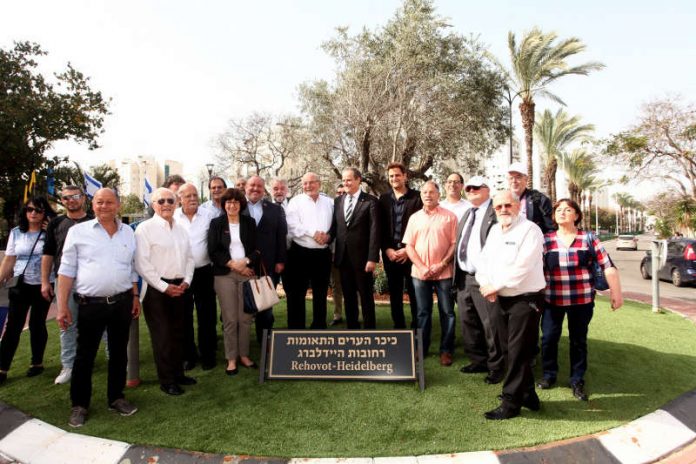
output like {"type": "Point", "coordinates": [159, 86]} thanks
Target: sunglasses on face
{"type": "Point", "coordinates": [472, 187]}
{"type": "Point", "coordinates": [169, 201]}
{"type": "Point", "coordinates": [31, 209]}
{"type": "Point", "coordinates": [74, 196]}
{"type": "Point", "coordinates": [505, 205]}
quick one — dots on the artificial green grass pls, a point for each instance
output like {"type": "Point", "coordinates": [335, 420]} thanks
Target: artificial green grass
{"type": "Point", "coordinates": [638, 361]}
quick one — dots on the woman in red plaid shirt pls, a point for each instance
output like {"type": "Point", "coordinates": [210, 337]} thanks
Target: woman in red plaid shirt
{"type": "Point", "coordinates": [569, 289]}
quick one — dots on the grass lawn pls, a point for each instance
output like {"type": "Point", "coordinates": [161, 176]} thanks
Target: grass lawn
{"type": "Point", "coordinates": [638, 361]}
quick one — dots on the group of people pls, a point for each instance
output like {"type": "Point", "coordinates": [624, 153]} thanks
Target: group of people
{"type": "Point", "coordinates": [507, 262]}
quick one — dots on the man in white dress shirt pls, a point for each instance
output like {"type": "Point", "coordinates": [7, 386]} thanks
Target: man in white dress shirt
{"type": "Point", "coordinates": [216, 187]}
{"type": "Point", "coordinates": [196, 221]}
{"type": "Point", "coordinates": [510, 270]}
{"type": "Point", "coordinates": [309, 218]}
{"type": "Point", "coordinates": [279, 192]}
{"type": "Point", "coordinates": [163, 259]}
{"type": "Point", "coordinates": [453, 200]}
{"type": "Point", "coordinates": [106, 301]}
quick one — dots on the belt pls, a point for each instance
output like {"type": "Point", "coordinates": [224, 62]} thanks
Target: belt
{"type": "Point", "coordinates": [85, 300]}
{"type": "Point", "coordinates": [524, 295]}
{"type": "Point", "coordinates": [176, 281]}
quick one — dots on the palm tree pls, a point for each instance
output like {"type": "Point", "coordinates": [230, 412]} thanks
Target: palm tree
{"type": "Point", "coordinates": [624, 200]}
{"type": "Point", "coordinates": [580, 170]}
{"type": "Point", "coordinates": [685, 215]}
{"type": "Point", "coordinates": [537, 61]}
{"type": "Point", "coordinates": [554, 132]}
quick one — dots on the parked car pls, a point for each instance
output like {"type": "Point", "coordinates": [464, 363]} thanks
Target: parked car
{"type": "Point", "coordinates": [677, 262]}
{"type": "Point", "coordinates": [627, 242]}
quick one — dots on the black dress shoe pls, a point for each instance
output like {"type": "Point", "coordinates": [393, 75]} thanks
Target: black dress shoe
{"type": "Point", "coordinates": [172, 389]}
{"type": "Point", "coordinates": [207, 365]}
{"type": "Point", "coordinates": [546, 383]}
{"type": "Point", "coordinates": [502, 413]}
{"type": "Point", "coordinates": [188, 365]}
{"type": "Point", "coordinates": [531, 401]}
{"type": "Point", "coordinates": [493, 378]}
{"type": "Point", "coordinates": [185, 380]}
{"type": "Point", "coordinates": [232, 372]}
{"type": "Point", "coordinates": [579, 391]}
{"type": "Point", "coordinates": [336, 322]}
{"type": "Point", "coordinates": [33, 371]}
{"type": "Point", "coordinates": [473, 369]}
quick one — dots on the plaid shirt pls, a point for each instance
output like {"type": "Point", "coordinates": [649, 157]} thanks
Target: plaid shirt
{"type": "Point", "coordinates": [567, 269]}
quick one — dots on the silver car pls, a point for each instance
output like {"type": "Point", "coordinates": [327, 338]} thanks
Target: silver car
{"type": "Point", "coordinates": [626, 242]}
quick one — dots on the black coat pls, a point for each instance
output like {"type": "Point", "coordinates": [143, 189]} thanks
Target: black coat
{"type": "Point", "coordinates": [412, 204]}
{"type": "Point", "coordinates": [539, 209]}
{"type": "Point", "coordinates": [271, 234]}
{"type": "Point", "coordinates": [359, 239]}
{"type": "Point", "coordinates": [219, 243]}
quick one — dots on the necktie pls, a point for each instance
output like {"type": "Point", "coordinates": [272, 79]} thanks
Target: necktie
{"type": "Point", "coordinates": [467, 233]}
{"type": "Point", "coordinates": [349, 211]}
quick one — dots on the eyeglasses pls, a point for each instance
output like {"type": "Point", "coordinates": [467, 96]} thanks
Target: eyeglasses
{"type": "Point", "coordinates": [31, 209]}
{"type": "Point", "coordinates": [473, 187]}
{"type": "Point", "coordinates": [74, 196]}
{"type": "Point", "coordinates": [169, 201]}
{"type": "Point", "coordinates": [232, 202]}
{"type": "Point", "coordinates": [504, 205]}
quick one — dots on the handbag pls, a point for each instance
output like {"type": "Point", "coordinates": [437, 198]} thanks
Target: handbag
{"type": "Point", "coordinates": [259, 293]}
{"type": "Point", "coordinates": [598, 278]}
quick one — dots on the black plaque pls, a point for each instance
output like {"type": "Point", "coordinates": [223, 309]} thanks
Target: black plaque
{"type": "Point", "coordinates": [341, 354]}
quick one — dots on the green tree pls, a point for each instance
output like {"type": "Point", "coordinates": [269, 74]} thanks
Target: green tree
{"type": "Point", "coordinates": [411, 91]}
{"type": "Point", "coordinates": [554, 132]}
{"type": "Point", "coordinates": [580, 169]}
{"type": "Point", "coordinates": [132, 205]}
{"type": "Point", "coordinates": [36, 112]}
{"type": "Point", "coordinates": [537, 61]}
{"type": "Point", "coordinates": [661, 145]}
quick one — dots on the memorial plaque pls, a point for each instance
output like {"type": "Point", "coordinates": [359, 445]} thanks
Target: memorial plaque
{"type": "Point", "coordinates": [387, 355]}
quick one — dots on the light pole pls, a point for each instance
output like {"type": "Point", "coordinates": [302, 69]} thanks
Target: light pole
{"type": "Point", "coordinates": [209, 167]}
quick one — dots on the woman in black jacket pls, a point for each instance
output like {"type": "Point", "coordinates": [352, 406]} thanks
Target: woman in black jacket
{"type": "Point", "coordinates": [232, 249]}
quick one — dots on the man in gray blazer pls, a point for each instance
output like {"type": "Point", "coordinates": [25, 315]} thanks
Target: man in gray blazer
{"type": "Point", "coordinates": [481, 340]}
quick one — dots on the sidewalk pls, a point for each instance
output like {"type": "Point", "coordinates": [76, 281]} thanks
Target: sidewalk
{"type": "Point", "coordinates": [667, 436]}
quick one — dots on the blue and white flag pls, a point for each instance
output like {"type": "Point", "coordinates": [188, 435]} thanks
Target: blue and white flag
{"type": "Point", "coordinates": [91, 185]}
{"type": "Point", "coordinates": [147, 192]}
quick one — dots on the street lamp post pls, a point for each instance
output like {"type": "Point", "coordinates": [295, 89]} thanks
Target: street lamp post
{"type": "Point", "coordinates": [209, 167]}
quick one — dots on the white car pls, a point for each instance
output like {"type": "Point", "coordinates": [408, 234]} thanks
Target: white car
{"type": "Point", "coordinates": [626, 242]}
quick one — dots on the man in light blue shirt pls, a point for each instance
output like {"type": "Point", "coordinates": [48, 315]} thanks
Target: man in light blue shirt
{"type": "Point", "coordinates": [98, 261]}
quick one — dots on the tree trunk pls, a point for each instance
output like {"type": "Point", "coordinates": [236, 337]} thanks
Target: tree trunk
{"type": "Point", "coordinates": [527, 113]}
{"type": "Point", "coordinates": [550, 179]}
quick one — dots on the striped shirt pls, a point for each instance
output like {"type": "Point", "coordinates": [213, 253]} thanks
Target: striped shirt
{"type": "Point", "coordinates": [568, 269]}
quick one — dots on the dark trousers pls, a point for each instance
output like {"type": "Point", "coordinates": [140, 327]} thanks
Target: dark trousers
{"type": "Point", "coordinates": [356, 281]}
{"type": "Point", "coordinates": [399, 275]}
{"type": "Point", "coordinates": [480, 318]}
{"type": "Point", "coordinates": [202, 292]}
{"type": "Point", "coordinates": [520, 327]}
{"type": "Point", "coordinates": [579, 317]}
{"type": "Point", "coordinates": [165, 320]}
{"type": "Point", "coordinates": [22, 297]}
{"type": "Point", "coordinates": [92, 319]}
{"type": "Point", "coordinates": [305, 267]}
{"type": "Point", "coordinates": [265, 319]}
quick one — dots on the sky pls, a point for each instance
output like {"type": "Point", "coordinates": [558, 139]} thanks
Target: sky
{"type": "Point", "coordinates": [177, 71]}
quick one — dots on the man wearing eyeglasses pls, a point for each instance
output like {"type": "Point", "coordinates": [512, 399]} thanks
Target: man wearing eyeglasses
{"type": "Point", "coordinates": [534, 205]}
{"type": "Point", "coordinates": [480, 330]}
{"type": "Point", "coordinates": [73, 199]}
{"type": "Point", "coordinates": [510, 271]}
{"type": "Point", "coordinates": [216, 187]}
{"type": "Point", "coordinates": [164, 260]}
{"type": "Point", "coordinates": [454, 201]}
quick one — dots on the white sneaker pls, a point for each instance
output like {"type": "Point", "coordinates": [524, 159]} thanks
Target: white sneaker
{"type": "Point", "coordinates": [64, 376]}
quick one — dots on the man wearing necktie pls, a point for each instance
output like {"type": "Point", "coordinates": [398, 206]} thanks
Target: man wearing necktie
{"type": "Point", "coordinates": [481, 340]}
{"type": "Point", "coordinates": [356, 231]}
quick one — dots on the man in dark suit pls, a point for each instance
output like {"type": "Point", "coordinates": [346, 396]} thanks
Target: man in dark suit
{"type": "Point", "coordinates": [534, 205]}
{"type": "Point", "coordinates": [395, 208]}
{"type": "Point", "coordinates": [480, 318]}
{"type": "Point", "coordinates": [271, 234]}
{"type": "Point", "coordinates": [356, 231]}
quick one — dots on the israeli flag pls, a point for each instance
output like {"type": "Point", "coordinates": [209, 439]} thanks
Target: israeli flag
{"type": "Point", "coordinates": [91, 185]}
{"type": "Point", "coordinates": [147, 193]}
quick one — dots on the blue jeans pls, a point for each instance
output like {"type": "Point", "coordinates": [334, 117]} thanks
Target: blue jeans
{"type": "Point", "coordinates": [68, 337]}
{"type": "Point", "coordinates": [445, 303]}
{"type": "Point", "coordinates": [579, 317]}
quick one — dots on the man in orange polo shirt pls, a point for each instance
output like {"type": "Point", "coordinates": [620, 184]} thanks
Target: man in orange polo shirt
{"type": "Point", "coordinates": [430, 241]}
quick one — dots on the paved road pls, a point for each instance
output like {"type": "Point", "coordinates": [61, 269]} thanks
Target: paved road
{"type": "Point", "coordinates": [628, 263]}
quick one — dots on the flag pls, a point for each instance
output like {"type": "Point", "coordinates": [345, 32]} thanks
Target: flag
{"type": "Point", "coordinates": [147, 192]}
{"type": "Point", "coordinates": [50, 182]}
{"type": "Point", "coordinates": [91, 185]}
{"type": "Point", "coordinates": [29, 188]}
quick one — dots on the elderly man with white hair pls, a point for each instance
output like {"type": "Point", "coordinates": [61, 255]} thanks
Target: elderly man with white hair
{"type": "Point", "coordinates": [164, 260]}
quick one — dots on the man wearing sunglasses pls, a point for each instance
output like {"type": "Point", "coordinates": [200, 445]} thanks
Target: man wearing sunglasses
{"type": "Point", "coordinates": [479, 316]}
{"type": "Point", "coordinates": [73, 199]}
{"type": "Point", "coordinates": [511, 272]}
{"type": "Point", "coordinates": [164, 260]}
